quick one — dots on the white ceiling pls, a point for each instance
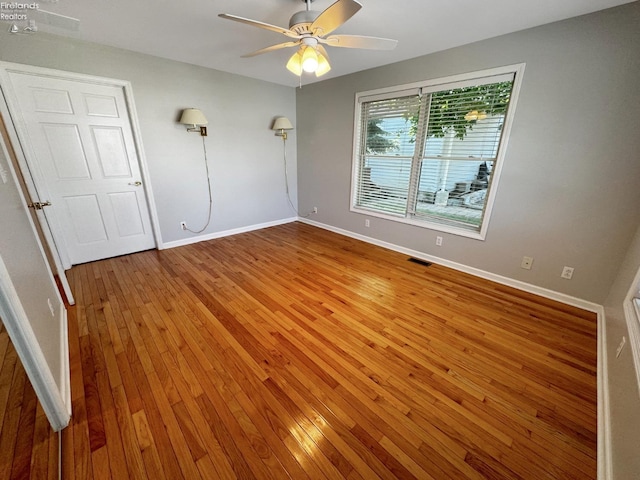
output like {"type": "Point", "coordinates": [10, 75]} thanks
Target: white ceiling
{"type": "Point", "coordinates": [191, 31]}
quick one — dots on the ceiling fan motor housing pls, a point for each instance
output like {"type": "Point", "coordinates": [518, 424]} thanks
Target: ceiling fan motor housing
{"type": "Point", "coordinates": [301, 21]}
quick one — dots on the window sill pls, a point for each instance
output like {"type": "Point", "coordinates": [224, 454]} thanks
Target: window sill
{"type": "Point", "coordinates": [416, 222]}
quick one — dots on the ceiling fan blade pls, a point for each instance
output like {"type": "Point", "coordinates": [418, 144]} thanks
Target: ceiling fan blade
{"type": "Point", "coordinates": [272, 48]}
{"type": "Point", "coordinates": [323, 51]}
{"type": "Point", "coordinates": [360, 41]}
{"type": "Point", "coordinates": [334, 16]}
{"type": "Point", "coordinates": [255, 23]}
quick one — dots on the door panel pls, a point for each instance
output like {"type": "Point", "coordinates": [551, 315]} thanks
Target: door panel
{"type": "Point", "coordinates": [47, 100]}
{"type": "Point", "coordinates": [126, 213]}
{"type": "Point", "coordinates": [101, 106]}
{"type": "Point", "coordinates": [66, 151]}
{"type": "Point", "coordinates": [84, 161]}
{"type": "Point", "coordinates": [111, 151]}
{"type": "Point", "coordinates": [86, 218]}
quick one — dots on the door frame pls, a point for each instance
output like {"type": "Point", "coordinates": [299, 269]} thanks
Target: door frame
{"type": "Point", "coordinates": [19, 137]}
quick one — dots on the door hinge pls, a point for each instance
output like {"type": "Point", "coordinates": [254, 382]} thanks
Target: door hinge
{"type": "Point", "coordinates": [39, 205]}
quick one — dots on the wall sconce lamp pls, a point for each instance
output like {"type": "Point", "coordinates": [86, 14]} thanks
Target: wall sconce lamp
{"type": "Point", "coordinates": [193, 116]}
{"type": "Point", "coordinates": [281, 124]}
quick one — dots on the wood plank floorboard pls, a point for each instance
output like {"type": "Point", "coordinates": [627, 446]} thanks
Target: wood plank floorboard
{"type": "Point", "coordinates": [28, 444]}
{"type": "Point", "coordinates": [293, 352]}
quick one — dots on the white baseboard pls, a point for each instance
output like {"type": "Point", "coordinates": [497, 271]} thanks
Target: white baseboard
{"type": "Point", "coordinates": [526, 287]}
{"type": "Point", "coordinates": [226, 233]}
{"type": "Point", "coordinates": [605, 465]}
{"type": "Point", "coordinates": [65, 377]}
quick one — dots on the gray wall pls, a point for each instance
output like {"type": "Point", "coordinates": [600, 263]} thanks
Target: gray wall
{"type": "Point", "coordinates": [245, 158]}
{"type": "Point", "coordinates": [624, 396]}
{"type": "Point", "coordinates": [30, 273]}
{"type": "Point", "coordinates": [568, 191]}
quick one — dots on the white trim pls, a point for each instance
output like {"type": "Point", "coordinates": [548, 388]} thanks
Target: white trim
{"type": "Point", "coordinates": [526, 287]}
{"type": "Point", "coordinates": [605, 465]}
{"type": "Point", "coordinates": [26, 345]}
{"type": "Point", "coordinates": [65, 367]}
{"type": "Point", "coordinates": [142, 161]}
{"type": "Point", "coordinates": [18, 125]}
{"type": "Point", "coordinates": [632, 317]}
{"type": "Point", "coordinates": [440, 227]}
{"type": "Point", "coordinates": [227, 233]}
{"type": "Point", "coordinates": [497, 74]}
{"type": "Point", "coordinates": [480, 74]}
{"type": "Point", "coordinates": [502, 148]}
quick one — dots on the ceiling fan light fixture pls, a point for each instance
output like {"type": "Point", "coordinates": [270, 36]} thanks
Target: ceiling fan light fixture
{"type": "Point", "coordinates": [294, 65]}
{"type": "Point", "coordinates": [309, 29]}
{"type": "Point", "coordinates": [323, 65]}
{"type": "Point", "coordinates": [310, 60]}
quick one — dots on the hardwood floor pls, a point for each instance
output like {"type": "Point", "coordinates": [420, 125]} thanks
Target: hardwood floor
{"type": "Point", "coordinates": [293, 352]}
{"type": "Point", "coordinates": [28, 445]}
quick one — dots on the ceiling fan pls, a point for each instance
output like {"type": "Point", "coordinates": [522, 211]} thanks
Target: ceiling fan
{"type": "Point", "coordinates": [308, 30]}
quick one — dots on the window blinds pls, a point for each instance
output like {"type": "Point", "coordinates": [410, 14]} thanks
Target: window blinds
{"type": "Point", "coordinates": [386, 153]}
{"type": "Point", "coordinates": [430, 153]}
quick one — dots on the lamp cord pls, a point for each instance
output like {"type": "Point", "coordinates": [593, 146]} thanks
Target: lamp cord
{"type": "Point", "coordinates": [286, 179]}
{"type": "Point", "coordinates": [206, 164]}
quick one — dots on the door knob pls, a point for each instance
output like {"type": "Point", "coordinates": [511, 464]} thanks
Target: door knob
{"type": "Point", "coordinates": [39, 205]}
{"type": "Point", "coordinates": [135, 184]}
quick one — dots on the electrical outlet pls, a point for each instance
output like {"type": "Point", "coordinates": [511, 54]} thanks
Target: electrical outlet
{"type": "Point", "coordinates": [315, 209]}
{"type": "Point", "coordinates": [367, 223]}
{"type": "Point", "coordinates": [567, 272]}
{"type": "Point", "coordinates": [439, 241]}
{"type": "Point", "coordinates": [621, 346]}
{"type": "Point", "coordinates": [183, 225]}
{"type": "Point", "coordinates": [526, 263]}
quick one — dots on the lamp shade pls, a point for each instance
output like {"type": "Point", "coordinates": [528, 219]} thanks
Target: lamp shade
{"type": "Point", "coordinates": [282, 123]}
{"type": "Point", "coordinates": [193, 116]}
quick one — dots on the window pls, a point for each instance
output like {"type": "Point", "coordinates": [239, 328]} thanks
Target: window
{"type": "Point", "coordinates": [430, 154]}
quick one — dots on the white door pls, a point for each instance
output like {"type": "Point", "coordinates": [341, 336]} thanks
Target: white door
{"type": "Point", "coordinates": [83, 159]}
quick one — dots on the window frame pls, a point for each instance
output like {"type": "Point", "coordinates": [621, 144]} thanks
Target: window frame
{"type": "Point", "coordinates": [430, 86]}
